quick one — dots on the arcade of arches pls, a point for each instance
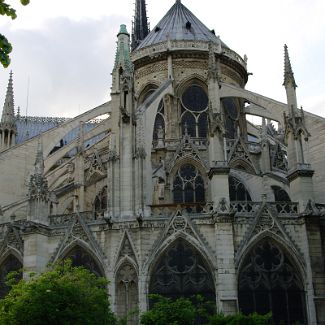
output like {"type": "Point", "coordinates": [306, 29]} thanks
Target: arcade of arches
{"type": "Point", "coordinates": [268, 279]}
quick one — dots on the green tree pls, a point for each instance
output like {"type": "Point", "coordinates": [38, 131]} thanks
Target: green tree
{"type": "Point", "coordinates": [166, 311]}
{"type": "Point", "coordinates": [63, 295]}
{"type": "Point", "coordinates": [5, 46]}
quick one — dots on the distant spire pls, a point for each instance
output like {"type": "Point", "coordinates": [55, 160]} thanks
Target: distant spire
{"type": "Point", "coordinates": [288, 73]}
{"type": "Point", "coordinates": [140, 24]}
{"type": "Point", "coordinates": [8, 112]}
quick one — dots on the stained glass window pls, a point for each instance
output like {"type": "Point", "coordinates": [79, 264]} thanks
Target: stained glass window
{"type": "Point", "coordinates": [269, 282]}
{"type": "Point", "coordinates": [194, 117]}
{"type": "Point", "coordinates": [182, 272]}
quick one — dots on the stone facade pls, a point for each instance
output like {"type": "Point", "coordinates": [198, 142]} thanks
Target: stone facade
{"type": "Point", "coordinates": [175, 191]}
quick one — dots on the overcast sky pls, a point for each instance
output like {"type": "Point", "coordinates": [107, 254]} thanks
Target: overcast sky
{"type": "Point", "coordinates": [64, 49]}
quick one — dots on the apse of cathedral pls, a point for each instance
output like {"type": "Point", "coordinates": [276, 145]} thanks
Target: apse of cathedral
{"type": "Point", "coordinates": [169, 188]}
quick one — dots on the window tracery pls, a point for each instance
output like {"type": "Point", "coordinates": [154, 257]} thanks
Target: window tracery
{"type": "Point", "coordinates": [188, 185]}
{"type": "Point", "coordinates": [194, 119]}
{"type": "Point", "coordinates": [268, 281]}
{"type": "Point", "coordinates": [182, 272]}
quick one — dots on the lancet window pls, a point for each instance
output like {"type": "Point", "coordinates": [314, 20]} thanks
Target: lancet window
{"type": "Point", "coordinates": [280, 195]}
{"type": "Point", "coordinates": [237, 190]}
{"type": "Point", "coordinates": [182, 272]}
{"type": "Point", "coordinates": [159, 126]}
{"type": "Point", "coordinates": [11, 263]}
{"type": "Point", "coordinates": [100, 204]}
{"type": "Point", "coordinates": [194, 119]}
{"type": "Point", "coordinates": [269, 282]}
{"type": "Point", "coordinates": [231, 113]}
{"type": "Point", "coordinates": [127, 292]}
{"type": "Point", "coordinates": [188, 186]}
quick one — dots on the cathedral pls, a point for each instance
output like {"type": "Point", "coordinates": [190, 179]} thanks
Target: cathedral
{"type": "Point", "coordinates": [169, 187]}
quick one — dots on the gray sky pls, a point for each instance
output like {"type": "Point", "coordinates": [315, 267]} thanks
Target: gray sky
{"type": "Point", "coordinates": [64, 49]}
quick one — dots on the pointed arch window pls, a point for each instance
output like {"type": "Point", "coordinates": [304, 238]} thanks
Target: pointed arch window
{"type": "Point", "coordinates": [269, 282]}
{"type": "Point", "coordinates": [11, 263]}
{"type": "Point", "coordinates": [80, 257]}
{"type": "Point", "coordinates": [159, 126]}
{"type": "Point", "coordinates": [280, 195]}
{"type": "Point", "coordinates": [182, 272]}
{"type": "Point", "coordinates": [188, 186]}
{"type": "Point", "coordinates": [231, 108]}
{"type": "Point", "coordinates": [127, 292]}
{"type": "Point", "coordinates": [100, 203]}
{"type": "Point", "coordinates": [194, 119]}
{"type": "Point", "coordinates": [237, 190]}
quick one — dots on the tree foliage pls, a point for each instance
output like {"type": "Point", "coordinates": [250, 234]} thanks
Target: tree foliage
{"type": "Point", "coordinates": [5, 46]}
{"type": "Point", "coordinates": [63, 295]}
{"type": "Point", "coordinates": [167, 311]}
{"type": "Point", "coordinates": [182, 311]}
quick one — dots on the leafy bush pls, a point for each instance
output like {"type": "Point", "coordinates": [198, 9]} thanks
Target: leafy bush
{"type": "Point", "coordinates": [240, 319]}
{"type": "Point", "coordinates": [63, 295]}
{"type": "Point", "coordinates": [167, 311]}
{"type": "Point", "coordinates": [182, 311]}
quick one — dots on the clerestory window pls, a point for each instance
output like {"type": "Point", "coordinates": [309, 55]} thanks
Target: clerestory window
{"type": "Point", "coordinates": [194, 118]}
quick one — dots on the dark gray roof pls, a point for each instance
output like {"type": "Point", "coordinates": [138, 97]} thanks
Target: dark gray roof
{"type": "Point", "coordinates": [179, 24]}
{"type": "Point", "coordinates": [30, 127]}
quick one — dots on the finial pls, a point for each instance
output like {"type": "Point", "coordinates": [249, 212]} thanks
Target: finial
{"type": "Point", "coordinates": [288, 73]}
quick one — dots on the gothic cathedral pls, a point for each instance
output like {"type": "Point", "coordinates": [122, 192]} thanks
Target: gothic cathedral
{"type": "Point", "coordinates": [169, 187]}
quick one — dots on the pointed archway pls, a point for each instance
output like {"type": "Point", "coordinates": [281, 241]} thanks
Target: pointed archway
{"type": "Point", "coordinates": [181, 271]}
{"type": "Point", "coordinates": [81, 257]}
{"type": "Point", "coordinates": [10, 263]}
{"type": "Point", "coordinates": [269, 281]}
{"type": "Point", "coordinates": [127, 292]}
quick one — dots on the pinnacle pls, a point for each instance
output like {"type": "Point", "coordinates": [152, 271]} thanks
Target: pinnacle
{"type": "Point", "coordinates": [288, 73]}
{"type": "Point", "coordinates": [8, 112]}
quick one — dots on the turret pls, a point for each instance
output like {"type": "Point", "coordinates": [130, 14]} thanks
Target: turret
{"type": "Point", "coordinates": [296, 136]}
{"type": "Point", "coordinates": [8, 128]}
{"type": "Point", "coordinates": [140, 24]}
{"type": "Point", "coordinates": [123, 64]}
{"type": "Point", "coordinates": [120, 170]}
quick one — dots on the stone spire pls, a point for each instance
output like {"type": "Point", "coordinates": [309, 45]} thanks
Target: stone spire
{"type": "Point", "coordinates": [8, 129]}
{"type": "Point", "coordinates": [8, 112]}
{"type": "Point", "coordinates": [140, 24]}
{"type": "Point", "coordinates": [123, 65]}
{"type": "Point", "coordinates": [289, 78]}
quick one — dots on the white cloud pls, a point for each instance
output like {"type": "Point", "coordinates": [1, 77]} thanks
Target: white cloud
{"type": "Point", "coordinates": [67, 47]}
